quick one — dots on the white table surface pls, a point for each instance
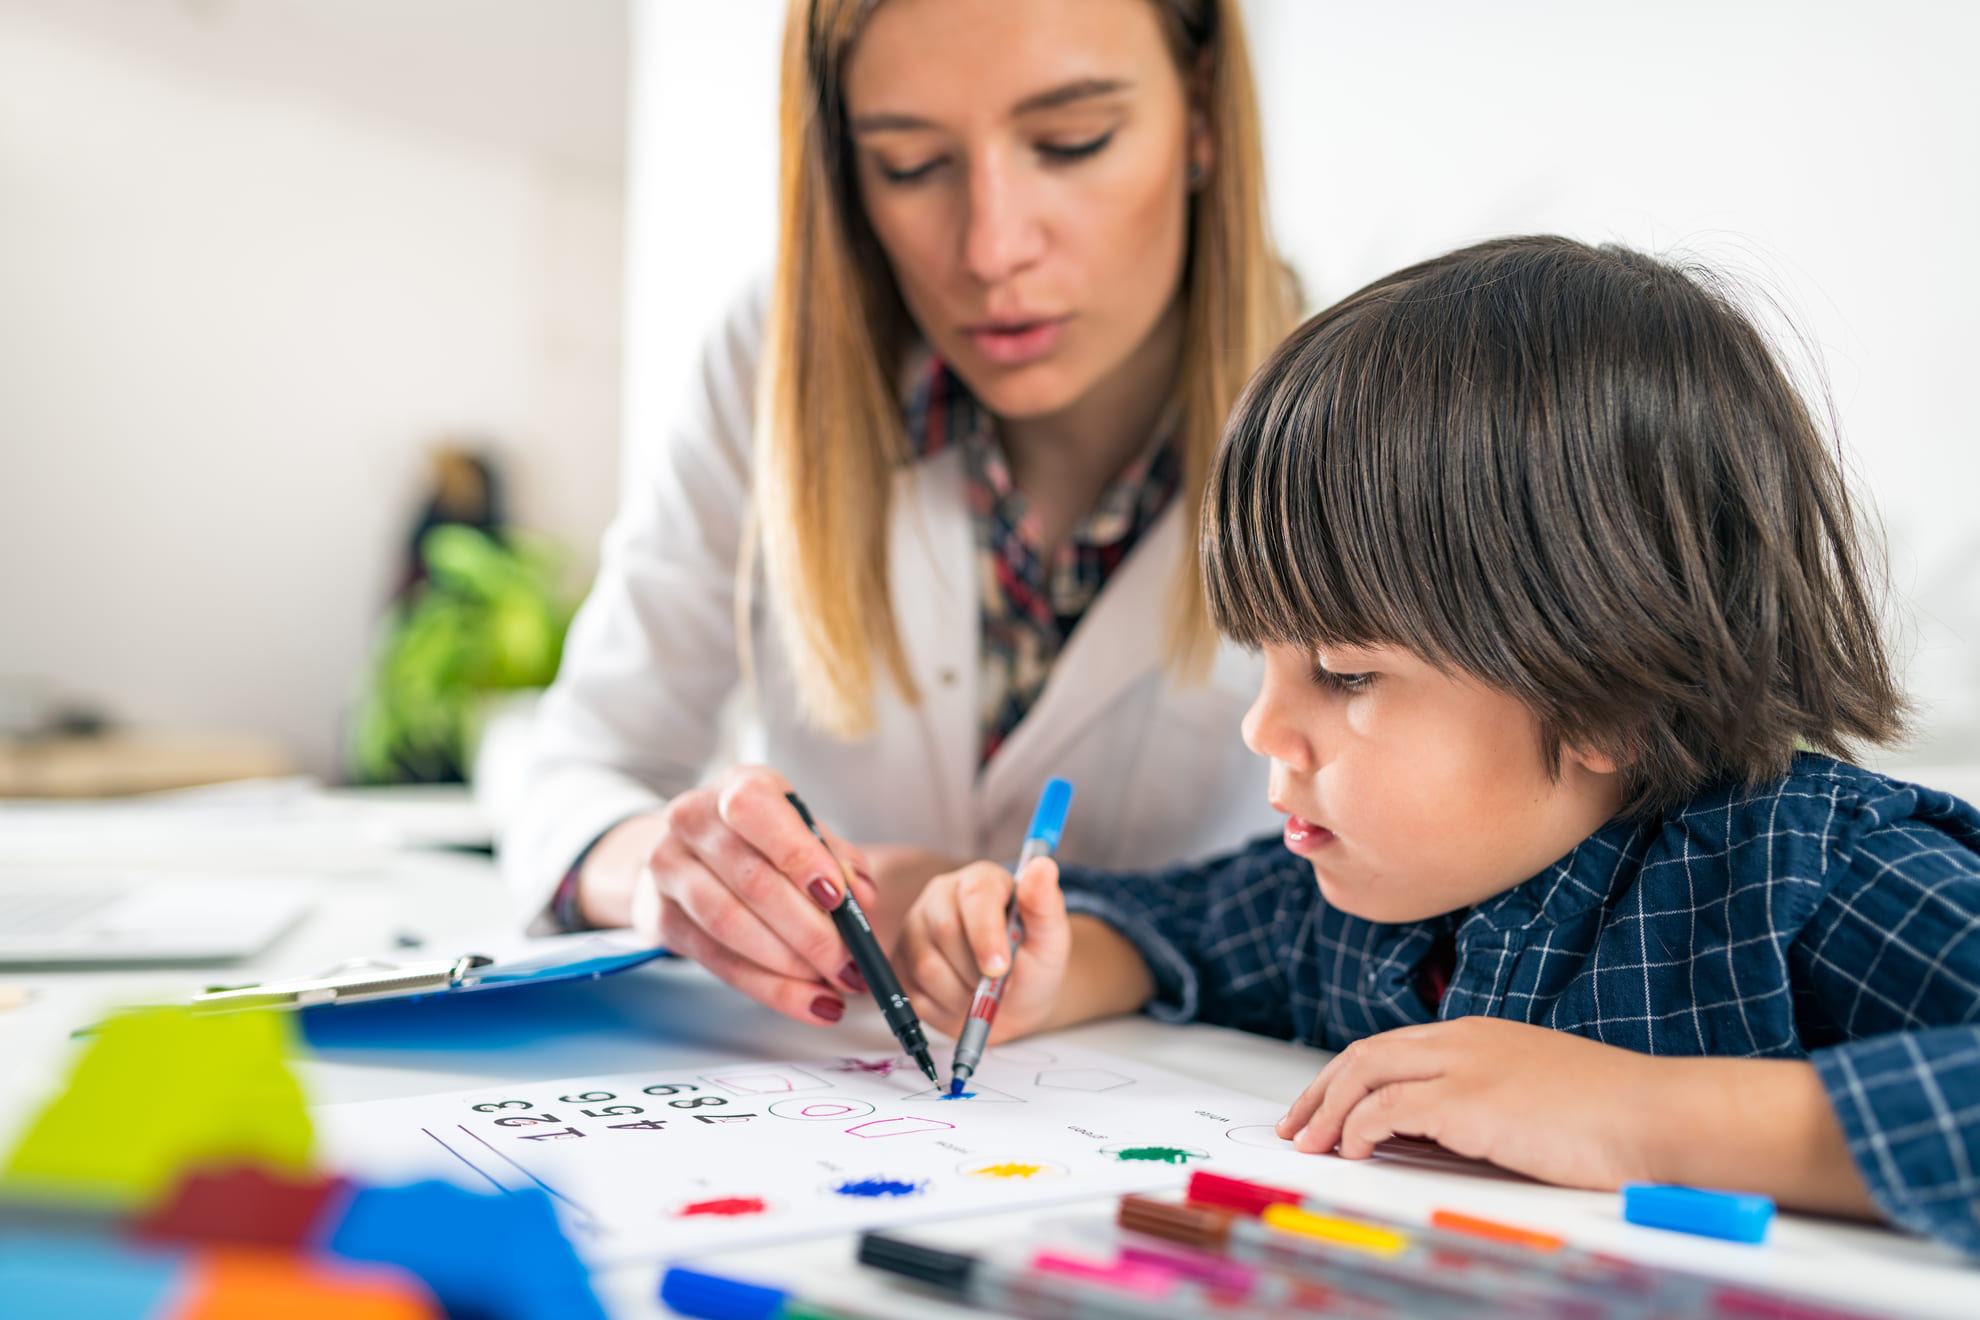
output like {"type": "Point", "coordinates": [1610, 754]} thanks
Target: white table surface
{"type": "Point", "coordinates": [673, 1014]}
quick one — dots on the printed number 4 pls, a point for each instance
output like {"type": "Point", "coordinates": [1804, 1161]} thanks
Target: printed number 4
{"type": "Point", "coordinates": [645, 1124]}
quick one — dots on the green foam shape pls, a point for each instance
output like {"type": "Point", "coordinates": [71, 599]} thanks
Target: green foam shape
{"type": "Point", "coordinates": [161, 1091]}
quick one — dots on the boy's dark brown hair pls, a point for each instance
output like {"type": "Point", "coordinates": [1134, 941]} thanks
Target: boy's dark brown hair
{"type": "Point", "coordinates": [1579, 475]}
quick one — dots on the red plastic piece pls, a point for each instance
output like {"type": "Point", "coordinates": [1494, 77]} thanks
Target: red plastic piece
{"type": "Point", "coordinates": [244, 1204]}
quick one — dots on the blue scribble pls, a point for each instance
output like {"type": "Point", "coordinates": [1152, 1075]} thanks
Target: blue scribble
{"type": "Point", "coordinates": [878, 1187]}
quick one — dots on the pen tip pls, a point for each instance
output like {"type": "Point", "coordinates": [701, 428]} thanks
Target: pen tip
{"type": "Point", "coordinates": [955, 1086]}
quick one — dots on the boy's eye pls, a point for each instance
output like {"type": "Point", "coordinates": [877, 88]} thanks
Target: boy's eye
{"type": "Point", "coordinates": [1347, 683]}
{"type": "Point", "coordinates": [1071, 151]}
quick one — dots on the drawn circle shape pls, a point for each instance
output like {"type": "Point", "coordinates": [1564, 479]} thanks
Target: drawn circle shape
{"type": "Point", "coordinates": [1260, 1135]}
{"type": "Point", "coordinates": [819, 1109]}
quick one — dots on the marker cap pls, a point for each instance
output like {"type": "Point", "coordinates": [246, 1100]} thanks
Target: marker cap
{"type": "Point", "coordinates": [712, 1297]}
{"type": "Point", "coordinates": [1734, 1216]}
{"type": "Point", "coordinates": [1048, 819]}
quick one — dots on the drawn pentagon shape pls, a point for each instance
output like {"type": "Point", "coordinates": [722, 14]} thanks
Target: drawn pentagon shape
{"type": "Point", "coordinates": [1082, 1079]}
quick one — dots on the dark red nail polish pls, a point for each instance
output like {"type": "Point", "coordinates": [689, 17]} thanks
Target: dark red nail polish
{"type": "Point", "coordinates": [823, 892]}
{"type": "Point", "coordinates": [854, 981]}
{"type": "Point", "coordinates": [828, 1008]}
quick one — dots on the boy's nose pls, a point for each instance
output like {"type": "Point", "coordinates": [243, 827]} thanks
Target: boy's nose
{"type": "Point", "coordinates": [1269, 733]}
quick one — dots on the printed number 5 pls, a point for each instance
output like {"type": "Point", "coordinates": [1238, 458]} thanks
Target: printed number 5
{"type": "Point", "coordinates": [501, 1104]}
{"type": "Point", "coordinates": [609, 1110]}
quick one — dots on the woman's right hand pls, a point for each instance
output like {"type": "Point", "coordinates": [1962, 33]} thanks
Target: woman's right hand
{"type": "Point", "coordinates": [729, 876]}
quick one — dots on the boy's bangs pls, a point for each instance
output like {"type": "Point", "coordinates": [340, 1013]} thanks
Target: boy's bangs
{"type": "Point", "coordinates": [1299, 546]}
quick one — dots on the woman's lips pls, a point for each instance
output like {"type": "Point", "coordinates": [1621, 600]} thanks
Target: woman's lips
{"type": "Point", "coordinates": [1306, 838]}
{"type": "Point", "coordinates": [1014, 343]}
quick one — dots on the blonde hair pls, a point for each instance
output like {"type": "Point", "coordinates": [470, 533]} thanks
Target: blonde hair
{"type": "Point", "coordinates": [829, 434]}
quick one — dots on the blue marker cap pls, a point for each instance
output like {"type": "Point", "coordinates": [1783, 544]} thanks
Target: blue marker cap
{"type": "Point", "coordinates": [712, 1297]}
{"type": "Point", "coordinates": [1048, 822]}
{"type": "Point", "coordinates": [1734, 1216]}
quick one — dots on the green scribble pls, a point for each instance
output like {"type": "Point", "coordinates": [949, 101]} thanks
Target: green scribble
{"type": "Point", "coordinates": [1155, 1154]}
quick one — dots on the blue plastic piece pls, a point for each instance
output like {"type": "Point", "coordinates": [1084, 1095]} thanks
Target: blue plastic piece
{"type": "Point", "coordinates": [1734, 1216]}
{"type": "Point", "coordinates": [81, 1279]}
{"type": "Point", "coordinates": [712, 1297]}
{"type": "Point", "coordinates": [498, 1257]}
{"type": "Point", "coordinates": [1048, 820]}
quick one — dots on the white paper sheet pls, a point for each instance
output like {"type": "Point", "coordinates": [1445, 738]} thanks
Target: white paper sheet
{"type": "Point", "coordinates": [665, 1165]}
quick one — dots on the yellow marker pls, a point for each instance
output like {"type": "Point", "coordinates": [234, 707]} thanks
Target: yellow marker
{"type": "Point", "coordinates": [1346, 1232]}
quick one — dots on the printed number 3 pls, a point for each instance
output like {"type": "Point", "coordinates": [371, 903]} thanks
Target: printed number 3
{"type": "Point", "coordinates": [503, 1104]}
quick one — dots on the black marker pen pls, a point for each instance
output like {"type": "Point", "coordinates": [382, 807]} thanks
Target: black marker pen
{"type": "Point", "coordinates": [873, 964]}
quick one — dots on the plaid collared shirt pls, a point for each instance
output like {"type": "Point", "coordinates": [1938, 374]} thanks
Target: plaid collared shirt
{"type": "Point", "coordinates": [1833, 916]}
{"type": "Point", "coordinates": [1030, 604]}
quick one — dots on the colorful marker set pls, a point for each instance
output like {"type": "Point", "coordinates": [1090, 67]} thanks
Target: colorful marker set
{"type": "Point", "coordinates": [1244, 1250]}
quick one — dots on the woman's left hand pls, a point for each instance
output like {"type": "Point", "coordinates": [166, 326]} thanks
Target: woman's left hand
{"type": "Point", "coordinates": [1551, 1105]}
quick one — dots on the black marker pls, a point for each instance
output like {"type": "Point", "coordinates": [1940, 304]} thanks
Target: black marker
{"type": "Point", "coordinates": [873, 965]}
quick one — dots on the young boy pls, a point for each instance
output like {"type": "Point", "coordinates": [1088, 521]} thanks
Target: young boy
{"type": "Point", "coordinates": [1557, 586]}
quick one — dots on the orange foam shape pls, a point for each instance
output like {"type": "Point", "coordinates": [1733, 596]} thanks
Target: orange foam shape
{"type": "Point", "coordinates": [245, 1284]}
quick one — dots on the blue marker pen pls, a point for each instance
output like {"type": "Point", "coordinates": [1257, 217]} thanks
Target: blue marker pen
{"type": "Point", "coordinates": [1048, 822]}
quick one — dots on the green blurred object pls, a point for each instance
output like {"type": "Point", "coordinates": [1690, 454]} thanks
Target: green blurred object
{"type": "Point", "coordinates": [488, 617]}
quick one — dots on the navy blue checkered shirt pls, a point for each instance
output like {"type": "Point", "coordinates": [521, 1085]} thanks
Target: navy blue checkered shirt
{"type": "Point", "coordinates": [1833, 915]}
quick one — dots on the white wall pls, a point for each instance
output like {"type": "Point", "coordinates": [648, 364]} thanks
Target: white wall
{"type": "Point", "coordinates": [1829, 150]}
{"type": "Point", "coordinates": [249, 271]}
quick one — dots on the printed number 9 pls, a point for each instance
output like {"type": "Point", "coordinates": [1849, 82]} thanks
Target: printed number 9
{"type": "Point", "coordinates": [670, 1088]}
{"type": "Point", "coordinates": [588, 1098]}
{"type": "Point", "coordinates": [501, 1104]}
{"type": "Point", "coordinates": [696, 1102]}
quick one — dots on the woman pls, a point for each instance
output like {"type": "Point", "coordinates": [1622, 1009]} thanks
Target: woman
{"type": "Point", "coordinates": [935, 506]}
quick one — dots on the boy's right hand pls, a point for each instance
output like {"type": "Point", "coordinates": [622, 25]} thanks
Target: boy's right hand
{"type": "Point", "coordinates": [956, 933]}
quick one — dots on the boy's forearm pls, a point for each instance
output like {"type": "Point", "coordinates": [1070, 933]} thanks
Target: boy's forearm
{"type": "Point", "coordinates": [1105, 975]}
{"type": "Point", "coordinates": [1763, 1125]}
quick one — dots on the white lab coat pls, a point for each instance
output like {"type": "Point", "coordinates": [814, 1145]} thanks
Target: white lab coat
{"type": "Point", "coordinates": [1160, 772]}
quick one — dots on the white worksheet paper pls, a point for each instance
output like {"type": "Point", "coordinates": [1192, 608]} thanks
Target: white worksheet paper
{"type": "Point", "coordinates": [676, 1162]}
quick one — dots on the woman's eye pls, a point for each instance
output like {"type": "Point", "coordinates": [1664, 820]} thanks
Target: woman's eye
{"type": "Point", "coordinates": [908, 173]}
{"type": "Point", "coordinates": [1347, 683]}
{"type": "Point", "coordinates": [1070, 151]}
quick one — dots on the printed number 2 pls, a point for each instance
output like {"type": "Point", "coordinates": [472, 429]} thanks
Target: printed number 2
{"type": "Point", "coordinates": [549, 1136]}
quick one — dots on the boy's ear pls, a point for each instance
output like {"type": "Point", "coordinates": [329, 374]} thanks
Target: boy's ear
{"type": "Point", "coordinates": [1592, 759]}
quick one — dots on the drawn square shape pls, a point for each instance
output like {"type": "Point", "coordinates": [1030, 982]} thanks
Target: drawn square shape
{"type": "Point", "coordinates": [771, 1079]}
{"type": "Point", "coordinates": [1083, 1079]}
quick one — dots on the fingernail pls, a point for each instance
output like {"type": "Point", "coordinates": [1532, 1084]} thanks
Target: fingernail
{"type": "Point", "coordinates": [828, 1008]}
{"type": "Point", "coordinates": [854, 981]}
{"type": "Point", "coordinates": [823, 892]}
{"type": "Point", "coordinates": [995, 967]}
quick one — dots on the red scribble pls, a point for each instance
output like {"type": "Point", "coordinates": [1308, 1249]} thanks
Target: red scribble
{"type": "Point", "coordinates": [726, 1205]}
{"type": "Point", "coordinates": [883, 1067]}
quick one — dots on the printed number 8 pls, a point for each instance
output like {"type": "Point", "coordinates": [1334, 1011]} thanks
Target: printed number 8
{"type": "Point", "coordinates": [501, 1104]}
{"type": "Point", "coordinates": [588, 1098]}
{"type": "Point", "coordinates": [696, 1102]}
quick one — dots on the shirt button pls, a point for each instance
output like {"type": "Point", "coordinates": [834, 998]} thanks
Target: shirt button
{"type": "Point", "coordinates": [1368, 978]}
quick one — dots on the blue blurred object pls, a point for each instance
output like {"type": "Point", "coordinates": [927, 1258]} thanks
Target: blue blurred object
{"type": "Point", "coordinates": [493, 1257]}
{"type": "Point", "coordinates": [713, 1297]}
{"type": "Point", "coordinates": [84, 1279]}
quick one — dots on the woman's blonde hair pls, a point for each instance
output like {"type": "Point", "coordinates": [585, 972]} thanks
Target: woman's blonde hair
{"type": "Point", "coordinates": [829, 434]}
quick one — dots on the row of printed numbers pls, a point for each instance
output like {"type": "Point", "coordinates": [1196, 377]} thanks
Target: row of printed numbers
{"type": "Point", "coordinates": [539, 1118]}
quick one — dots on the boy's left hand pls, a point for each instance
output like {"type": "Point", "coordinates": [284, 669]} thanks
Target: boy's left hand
{"type": "Point", "coordinates": [1545, 1103]}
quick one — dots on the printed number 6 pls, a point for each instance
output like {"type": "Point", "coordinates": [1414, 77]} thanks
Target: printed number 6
{"type": "Point", "coordinates": [696, 1102]}
{"type": "Point", "coordinates": [588, 1098]}
{"type": "Point", "coordinates": [501, 1104]}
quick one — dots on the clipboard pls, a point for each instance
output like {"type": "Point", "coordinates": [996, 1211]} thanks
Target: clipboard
{"type": "Point", "coordinates": [586, 955]}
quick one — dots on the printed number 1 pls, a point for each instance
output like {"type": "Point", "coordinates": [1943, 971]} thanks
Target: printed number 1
{"type": "Point", "coordinates": [550, 1136]}
{"type": "Point", "coordinates": [723, 1118]}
